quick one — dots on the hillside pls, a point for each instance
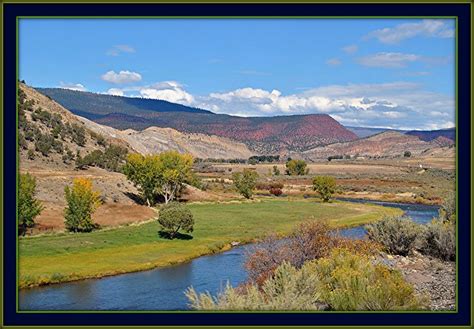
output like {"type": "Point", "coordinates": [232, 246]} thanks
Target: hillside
{"type": "Point", "coordinates": [386, 144]}
{"type": "Point", "coordinates": [52, 135]}
{"type": "Point", "coordinates": [261, 134]}
{"type": "Point", "coordinates": [429, 135]}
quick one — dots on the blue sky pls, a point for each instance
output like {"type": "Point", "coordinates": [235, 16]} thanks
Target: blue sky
{"type": "Point", "coordinates": [364, 72]}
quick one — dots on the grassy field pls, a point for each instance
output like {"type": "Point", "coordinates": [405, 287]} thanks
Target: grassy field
{"type": "Point", "coordinates": [65, 257]}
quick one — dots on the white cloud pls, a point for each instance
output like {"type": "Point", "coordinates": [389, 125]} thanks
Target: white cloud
{"type": "Point", "coordinates": [350, 49]}
{"type": "Point", "coordinates": [333, 62]}
{"type": "Point", "coordinates": [428, 27]}
{"type": "Point", "coordinates": [121, 77]}
{"type": "Point", "coordinates": [72, 86]}
{"type": "Point", "coordinates": [388, 60]}
{"type": "Point", "coordinates": [118, 49]}
{"type": "Point", "coordinates": [170, 91]}
{"type": "Point", "coordinates": [115, 92]}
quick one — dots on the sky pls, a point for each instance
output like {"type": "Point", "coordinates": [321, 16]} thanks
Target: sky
{"type": "Point", "coordinates": [390, 73]}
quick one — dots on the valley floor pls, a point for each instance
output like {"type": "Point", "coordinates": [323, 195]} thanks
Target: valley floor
{"type": "Point", "coordinates": [65, 257]}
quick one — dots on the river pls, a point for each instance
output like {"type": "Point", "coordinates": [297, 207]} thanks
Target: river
{"type": "Point", "coordinates": [163, 288]}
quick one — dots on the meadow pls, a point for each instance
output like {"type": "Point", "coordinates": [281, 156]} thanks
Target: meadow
{"type": "Point", "coordinates": [64, 257]}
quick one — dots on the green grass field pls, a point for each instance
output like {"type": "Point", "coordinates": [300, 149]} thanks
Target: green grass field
{"type": "Point", "coordinates": [66, 257]}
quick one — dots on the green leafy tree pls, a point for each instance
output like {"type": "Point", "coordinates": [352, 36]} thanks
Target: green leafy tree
{"type": "Point", "coordinates": [28, 206]}
{"type": "Point", "coordinates": [164, 174]}
{"type": "Point", "coordinates": [325, 186]}
{"type": "Point", "coordinates": [245, 182]}
{"type": "Point", "coordinates": [173, 217]}
{"type": "Point", "coordinates": [82, 201]}
{"type": "Point", "coordinates": [296, 168]}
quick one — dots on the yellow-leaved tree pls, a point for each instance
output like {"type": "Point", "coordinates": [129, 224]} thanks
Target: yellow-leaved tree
{"type": "Point", "coordinates": [82, 201]}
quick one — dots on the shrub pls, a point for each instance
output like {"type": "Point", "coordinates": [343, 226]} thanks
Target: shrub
{"type": "Point", "coordinates": [351, 282]}
{"type": "Point", "coordinates": [28, 206]}
{"type": "Point", "coordinates": [276, 171]}
{"type": "Point", "coordinates": [78, 134]}
{"type": "Point", "coordinates": [296, 168]}
{"type": "Point", "coordinates": [397, 234]}
{"type": "Point", "coordinates": [275, 191]}
{"type": "Point", "coordinates": [341, 282]}
{"type": "Point", "coordinates": [30, 155]}
{"type": "Point", "coordinates": [173, 217]}
{"type": "Point", "coordinates": [288, 289]}
{"type": "Point", "coordinates": [325, 186]}
{"type": "Point", "coordinates": [68, 156]}
{"type": "Point", "coordinates": [447, 211]}
{"type": "Point", "coordinates": [82, 201]}
{"type": "Point", "coordinates": [407, 154]}
{"type": "Point", "coordinates": [44, 144]}
{"type": "Point", "coordinates": [245, 182]}
{"type": "Point", "coordinates": [439, 240]}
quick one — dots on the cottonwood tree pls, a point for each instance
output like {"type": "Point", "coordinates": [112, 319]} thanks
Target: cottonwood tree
{"type": "Point", "coordinates": [296, 168]}
{"type": "Point", "coordinates": [28, 206]}
{"type": "Point", "coordinates": [82, 201]}
{"type": "Point", "coordinates": [245, 182]}
{"type": "Point", "coordinates": [164, 174]}
{"type": "Point", "coordinates": [173, 217]}
{"type": "Point", "coordinates": [325, 186]}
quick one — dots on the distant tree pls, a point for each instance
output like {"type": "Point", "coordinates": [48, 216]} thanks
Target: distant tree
{"type": "Point", "coordinates": [245, 182]}
{"type": "Point", "coordinates": [30, 154]}
{"type": "Point", "coordinates": [325, 186]}
{"type": "Point", "coordinates": [296, 168]}
{"type": "Point", "coordinates": [28, 206]}
{"type": "Point", "coordinates": [173, 217]}
{"type": "Point", "coordinates": [407, 154]}
{"type": "Point", "coordinates": [82, 201]}
{"type": "Point", "coordinates": [276, 171]}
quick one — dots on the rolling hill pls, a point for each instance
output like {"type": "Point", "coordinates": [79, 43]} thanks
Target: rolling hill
{"type": "Point", "coordinates": [268, 135]}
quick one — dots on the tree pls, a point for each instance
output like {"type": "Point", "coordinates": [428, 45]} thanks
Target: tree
{"type": "Point", "coordinates": [296, 167]}
{"type": "Point", "coordinates": [175, 170]}
{"type": "Point", "coordinates": [325, 186]}
{"type": "Point", "coordinates": [164, 174]}
{"type": "Point", "coordinates": [173, 217]}
{"type": "Point", "coordinates": [407, 154]}
{"type": "Point", "coordinates": [82, 201]}
{"type": "Point", "coordinates": [28, 206]}
{"type": "Point", "coordinates": [245, 182]}
{"type": "Point", "coordinates": [276, 171]}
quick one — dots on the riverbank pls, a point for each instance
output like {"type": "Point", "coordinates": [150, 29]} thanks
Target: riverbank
{"type": "Point", "coordinates": [69, 257]}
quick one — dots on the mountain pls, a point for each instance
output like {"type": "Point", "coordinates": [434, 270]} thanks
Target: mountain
{"type": "Point", "coordinates": [428, 135]}
{"type": "Point", "coordinates": [385, 144]}
{"type": "Point", "coordinates": [363, 132]}
{"type": "Point", "coordinates": [263, 135]}
{"type": "Point", "coordinates": [52, 136]}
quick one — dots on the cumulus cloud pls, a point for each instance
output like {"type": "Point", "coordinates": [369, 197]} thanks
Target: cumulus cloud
{"type": "Point", "coordinates": [350, 49]}
{"type": "Point", "coordinates": [388, 60]}
{"type": "Point", "coordinates": [436, 28]}
{"type": "Point", "coordinates": [333, 62]}
{"type": "Point", "coordinates": [118, 49]}
{"type": "Point", "coordinates": [115, 92]}
{"type": "Point", "coordinates": [72, 86]}
{"type": "Point", "coordinates": [121, 77]}
{"type": "Point", "coordinates": [170, 91]}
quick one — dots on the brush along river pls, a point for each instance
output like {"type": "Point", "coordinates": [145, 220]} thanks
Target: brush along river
{"type": "Point", "coordinates": [163, 288]}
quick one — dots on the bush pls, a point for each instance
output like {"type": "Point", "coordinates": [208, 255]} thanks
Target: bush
{"type": "Point", "coordinates": [173, 217]}
{"type": "Point", "coordinates": [30, 155]}
{"type": "Point", "coordinates": [351, 282]}
{"type": "Point", "coordinates": [275, 191]}
{"type": "Point", "coordinates": [28, 206]}
{"type": "Point", "coordinates": [296, 168]}
{"type": "Point", "coordinates": [398, 235]}
{"type": "Point", "coordinates": [325, 186]}
{"type": "Point", "coordinates": [289, 289]}
{"type": "Point", "coordinates": [245, 182]}
{"type": "Point", "coordinates": [439, 240]}
{"type": "Point", "coordinates": [447, 211]}
{"type": "Point", "coordinates": [82, 201]}
{"type": "Point", "coordinates": [342, 282]}
{"type": "Point", "coordinates": [44, 144]}
{"type": "Point", "coordinates": [276, 171]}
{"type": "Point", "coordinates": [407, 154]}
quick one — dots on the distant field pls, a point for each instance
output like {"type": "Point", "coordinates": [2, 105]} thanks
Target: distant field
{"type": "Point", "coordinates": [65, 257]}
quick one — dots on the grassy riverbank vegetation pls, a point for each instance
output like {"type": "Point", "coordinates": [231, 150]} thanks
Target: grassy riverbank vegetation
{"type": "Point", "coordinates": [65, 257]}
